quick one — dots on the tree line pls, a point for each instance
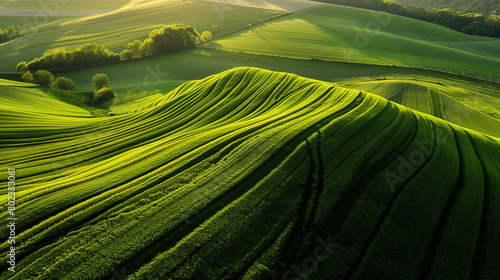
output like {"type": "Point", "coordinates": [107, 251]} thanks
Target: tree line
{"type": "Point", "coordinates": [163, 40]}
{"type": "Point", "coordinates": [469, 23]}
{"type": "Point", "coordinates": [485, 7]}
{"type": "Point", "coordinates": [10, 32]}
{"type": "Point", "coordinates": [170, 38]}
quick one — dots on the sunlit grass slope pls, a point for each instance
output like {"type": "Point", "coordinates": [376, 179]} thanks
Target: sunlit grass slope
{"type": "Point", "coordinates": [26, 101]}
{"type": "Point", "coordinates": [244, 174]}
{"type": "Point", "coordinates": [474, 106]}
{"type": "Point", "coordinates": [71, 4]}
{"type": "Point", "coordinates": [361, 36]}
{"type": "Point", "coordinates": [135, 21]}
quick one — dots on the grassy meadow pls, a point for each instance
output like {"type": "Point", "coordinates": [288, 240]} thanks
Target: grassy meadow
{"type": "Point", "coordinates": [253, 140]}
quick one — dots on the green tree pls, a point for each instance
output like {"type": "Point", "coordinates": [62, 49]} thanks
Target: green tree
{"type": "Point", "coordinates": [44, 77]}
{"type": "Point", "coordinates": [11, 30]}
{"type": "Point", "coordinates": [100, 81]}
{"type": "Point", "coordinates": [64, 83]}
{"type": "Point", "coordinates": [135, 48]}
{"type": "Point", "coordinates": [21, 68]}
{"type": "Point", "coordinates": [19, 30]}
{"type": "Point", "coordinates": [205, 36]}
{"type": "Point", "coordinates": [27, 77]}
{"type": "Point", "coordinates": [103, 95]}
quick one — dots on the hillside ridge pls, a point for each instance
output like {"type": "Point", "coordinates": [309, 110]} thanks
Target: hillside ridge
{"type": "Point", "coordinates": [244, 174]}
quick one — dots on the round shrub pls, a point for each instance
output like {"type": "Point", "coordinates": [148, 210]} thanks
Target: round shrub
{"type": "Point", "coordinates": [64, 83]}
{"type": "Point", "coordinates": [100, 81]}
{"type": "Point", "coordinates": [103, 95]}
{"type": "Point", "coordinates": [21, 68]}
{"type": "Point", "coordinates": [27, 77]}
{"type": "Point", "coordinates": [44, 77]}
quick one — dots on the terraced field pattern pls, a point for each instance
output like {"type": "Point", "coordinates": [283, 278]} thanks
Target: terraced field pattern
{"type": "Point", "coordinates": [240, 175]}
{"type": "Point", "coordinates": [304, 140]}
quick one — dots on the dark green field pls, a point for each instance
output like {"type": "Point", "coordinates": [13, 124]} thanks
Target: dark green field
{"type": "Point", "coordinates": [278, 149]}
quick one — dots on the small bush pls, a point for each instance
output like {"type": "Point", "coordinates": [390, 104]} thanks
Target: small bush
{"type": "Point", "coordinates": [64, 83]}
{"type": "Point", "coordinates": [100, 81]}
{"type": "Point", "coordinates": [43, 77]}
{"type": "Point", "coordinates": [27, 77]}
{"type": "Point", "coordinates": [103, 95]}
{"type": "Point", "coordinates": [205, 36]}
{"type": "Point", "coordinates": [111, 114]}
{"type": "Point", "coordinates": [21, 68]}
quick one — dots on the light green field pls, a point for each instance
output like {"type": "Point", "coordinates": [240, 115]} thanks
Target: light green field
{"type": "Point", "coordinates": [117, 28]}
{"type": "Point", "coordinates": [26, 22]}
{"type": "Point", "coordinates": [266, 157]}
{"type": "Point", "coordinates": [21, 101]}
{"type": "Point", "coordinates": [166, 72]}
{"type": "Point", "coordinates": [70, 4]}
{"type": "Point", "coordinates": [360, 36]}
{"type": "Point", "coordinates": [474, 106]}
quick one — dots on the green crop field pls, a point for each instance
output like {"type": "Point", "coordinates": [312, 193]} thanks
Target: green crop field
{"type": "Point", "coordinates": [254, 155]}
{"type": "Point", "coordinates": [63, 4]}
{"type": "Point", "coordinates": [354, 35]}
{"type": "Point", "coordinates": [446, 102]}
{"type": "Point", "coordinates": [117, 28]}
{"type": "Point", "coordinates": [295, 140]}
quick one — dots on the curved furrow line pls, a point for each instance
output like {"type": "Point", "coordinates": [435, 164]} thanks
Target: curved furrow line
{"type": "Point", "coordinates": [399, 218]}
{"type": "Point", "coordinates": [357, 187]}
{"type": "Point", "coordinates": [486, 257]}
{"type": "Point", "coordinates": [447, 253]}
{"type": "Point", "coordinates": [375, 231]}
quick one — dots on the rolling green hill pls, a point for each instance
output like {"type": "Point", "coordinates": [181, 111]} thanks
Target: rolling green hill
{"type": "Point", "coordinates": [254, 174]}
{"type": "Point", "coordinates": [42, 105]}
{"type": "Point", "coordinates": [464, 104]}
{"type": "Point", "coordinates": [140, 82]}
{"type": "Point", "coordinates": [354, 35]}
{"type": "Point", "coordinates": [133, 21]}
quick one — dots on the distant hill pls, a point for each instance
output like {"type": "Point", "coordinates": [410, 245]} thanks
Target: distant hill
{"type": "Point", "coordinates": [485, 7]}
{"type": "Point", "coordinates": [470, 23]}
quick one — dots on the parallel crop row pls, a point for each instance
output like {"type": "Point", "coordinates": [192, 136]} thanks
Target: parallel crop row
{"type": "Point", "coordinates": [253, 174]}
